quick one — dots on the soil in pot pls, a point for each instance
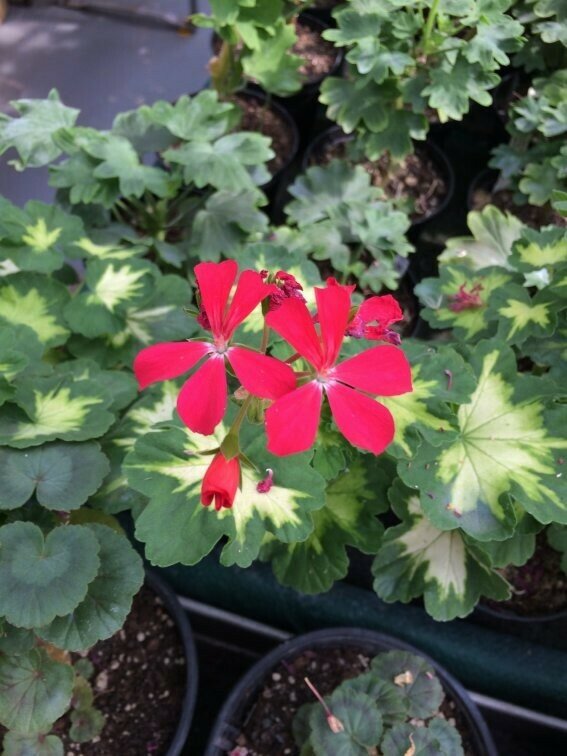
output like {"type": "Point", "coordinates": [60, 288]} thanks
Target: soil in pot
{"type": "Point", "coordinates": [139, 684]}
{"type": "Point", "coordinates": [417, 178]}
{"type": "Point", "coordinates": [259, 116]}
{"type": "Point", "coordinates": [267, 729]}
{"type": "Point", "coordinates": [318, 54]}
{"type": "Point", "coordinates": [536, 217]}
{"type": "Point", "coordinates": [539, 587]}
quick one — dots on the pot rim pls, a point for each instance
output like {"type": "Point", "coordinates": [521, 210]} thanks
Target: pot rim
{"type": "Point", "coordinates": [247, 688]}
{"type": "Point", "coordinates": [336, 134]}
{"type": "Point", "coordinates": [178, 615]}
{"type": "Point", "coordinates": [506, 615]}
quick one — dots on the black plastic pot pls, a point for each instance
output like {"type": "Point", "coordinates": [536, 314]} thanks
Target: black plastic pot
{"type": "Point", "coordinates": [335, 135]}
{"type": "Point", "coordinates": [545, 629]}
{"type": "Point", "coordinates": [485, 179]}
{"type": "Point", "coordinates": [232, 714]}
{"type": "Point", "coordinates": [177, 614]}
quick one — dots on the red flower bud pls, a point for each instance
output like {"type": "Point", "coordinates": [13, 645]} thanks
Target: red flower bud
{"type": "Point", "coordinates": [221, 482]}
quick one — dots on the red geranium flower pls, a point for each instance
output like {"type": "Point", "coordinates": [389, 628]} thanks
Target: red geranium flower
{"type": "Point", "coordinates": [221, 482]}
{"type": "Point", "coordinates": [293, 419]}
{"type": "Point", "coordinates": [202, 400]}
{"type": "Point", "coordinates": [374, 318]}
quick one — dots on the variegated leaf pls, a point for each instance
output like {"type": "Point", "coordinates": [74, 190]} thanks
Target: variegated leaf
{"type": "Point", "coordinates": [39, 237]}
{"type": "Point", "coordinates": [168, 467]}
{"type": "Point", "coordinates": [509, 443]}
{"type": "Point", "coordinates": [441, 310]}
{"type": "Point", "coordinates": [352, 502]}
{"type": "Point", "coordinates": [112, 288]}
{"type": "Point", "coordinates": [417, 559]}
{"type": "Point", "coordinates": [55, 407]}
{"type": "Point", "coordinates": [32, 300]}
{"type": "Point", "coordinates": [520, 316]}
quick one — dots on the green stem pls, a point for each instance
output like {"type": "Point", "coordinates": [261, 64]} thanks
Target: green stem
{"type": "Point", "coordinates": [429, 24]}
{"type": "Point", "coordinates": [230, 446]}
{"type": "Point", "coordinates": [265, 338]}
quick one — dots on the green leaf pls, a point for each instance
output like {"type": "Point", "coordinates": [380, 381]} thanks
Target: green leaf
{"type": "Point", "coordinates": [438, 296]}
{"type": "Point", "coordinates": [389, 698]}
{"type": "Point", "coordinates": [520, 316]}
{"type": "Point", "coordinates": [440, 377]}
{"type": "Point", "coordinates": [203, 117]}
{"type": "Point", "coordinates": [493, 236]}
{"type": "Point", "coordinates": [37, 302]}
{"type": "Point", "coordinates": [14, 640]}
{"type": "Point", "coordinates": [557, 539]}
{"type": "Point", "coordinates": [417, 559]}
{"type": "Point", "coordinates": [358, 103]}
{"type": "Point", "coordinates": [273, 65]}
{"type": "Point", "coordinates": [56, 407]}
{"type": "Point", "coordinates": [416, 679]}
{"type": "Point", "coordinates": [112, 288]}
{"type": "Point", "coordinates": [86, 724]}
{"type": "Point", "coordinates": [360, 719]}
{"type": "Point", "coordinates": [109, 596]}
{"type": "Point", "coordinates": [62, 476]}
{"type": "Point", "coordinates": [348, 518]}
{"type": "Point", "coordinates": [453, 86]}
{"type": "Point", "coordinates": [227, 220]}
{"type": "Point", "coordinates": [40, 238]}
{"type": "Point", "coordinates": [540, 249]}
{"type": "Point", "coordinates": [508, 443]}
{"type": "Point", "coordinates": [42, 578]}
{"type": "Point", "coordinates": [32, 745]}
{"type": "Point", "coordinates": [515, 550]}
{"type": "Point", "coordinates": [438, 738]}
{"type": "Point", "coordinates": [30, 132]}
{"type": "Point", "coordinates": [168, 467]}
{"type": "Point", "coordinates": [235, 162]}
{"type": "Point", "coordinates": [34, 691]}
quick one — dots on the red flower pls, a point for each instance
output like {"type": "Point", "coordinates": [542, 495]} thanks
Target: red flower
{"type": "Point", "coordinates": [203, 398]}
{"type": "Point", "coordinates": [293, 419]}
{"type": "Point", "coordinates": [373, 319]}
{"type": "Point", "coordinates": [221, 482]}
{"type": "Point", "coordinates": [466, 300]}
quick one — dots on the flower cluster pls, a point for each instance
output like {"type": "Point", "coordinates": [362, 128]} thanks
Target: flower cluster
{"type": "Point", "coordinates": [294, 398]}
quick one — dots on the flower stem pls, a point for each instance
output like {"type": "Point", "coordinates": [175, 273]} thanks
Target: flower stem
{"type": "Point", "coordinates": [429, 24]}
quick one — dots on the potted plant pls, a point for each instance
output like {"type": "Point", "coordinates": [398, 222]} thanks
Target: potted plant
{"type": "Point", "coordinates": [200, 196]}
{"type": "Point", "coordinates": [352, 691]}
{"type": "Point", "coordinates": [533, 165]}
{"type": "Point", "coordinates": [406, 67]}
{"type": "Point", "coordinates": [70, 619]}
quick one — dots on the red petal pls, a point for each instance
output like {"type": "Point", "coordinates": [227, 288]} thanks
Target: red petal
{"type": "Point", "coordinates": [202, 400]}
{"type": "Point", "coordinates": [333, 308]}
{"type": "Point", "coordinates": [292, 421]}
{"type": "Point", "coordinates": [160, 362]}
{"type": "Point", "coordinates": [362, 421]}
{"type": "Point", "coordinates": [380, 310]}
{"type": "Point", "coordinates": [215, 281]}
{"type": "Point", "coordinates": [294, 324]}
{"type": "Point", "coordinates": [382, 370]}
{"type": "Point", "coordinates": [261, 375]}
{"type": "Point", "coordinates": [250, 291]}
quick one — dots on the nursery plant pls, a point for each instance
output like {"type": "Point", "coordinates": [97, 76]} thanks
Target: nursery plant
{"type": "Point", "coordinates": [393, 708]}
{"type": "Point", "coordinates": [197, 197]}
{"type": "Point", "coordinates": [67, 571]}
{"type": "Point", "coordinates": [255, 44]}
{"type": "Point", "coordinates": [411, 63]}
{"type": "Point", "coordinates": [545, 30]}
{"type": "Point", "coordinates": [533, 165]}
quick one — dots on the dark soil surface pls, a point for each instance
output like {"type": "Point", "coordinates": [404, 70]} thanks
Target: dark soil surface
{"type": "Point", "coordinates": [416, 179]}
{"type": "Point", "coordinates": [533, 216]}
{"type": "Point", "coordinates": [259, 117]}
{"type": "Point", "coordinates": [539, 586]}
{"type": "Point", "coordinates": [267, 730]}
{"type": "Point", "coordinates": [318, 54]}
{"type": "Point", "coordinates": [139, 685]}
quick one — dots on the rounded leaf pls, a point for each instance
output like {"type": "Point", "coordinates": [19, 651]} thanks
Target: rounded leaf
{"type": "Point", "coordinates": [109, 596]}
{"type": "Point", "coordinates": [35, 691]}
{"type": "Point", "coordinates": [62, 476]}
{"type": "Point", "coordinates": [415, 677]}
{"type": "Point", "coordinates": [31, 745]}
{"type": "Point", "coordinates": [43, 578]}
